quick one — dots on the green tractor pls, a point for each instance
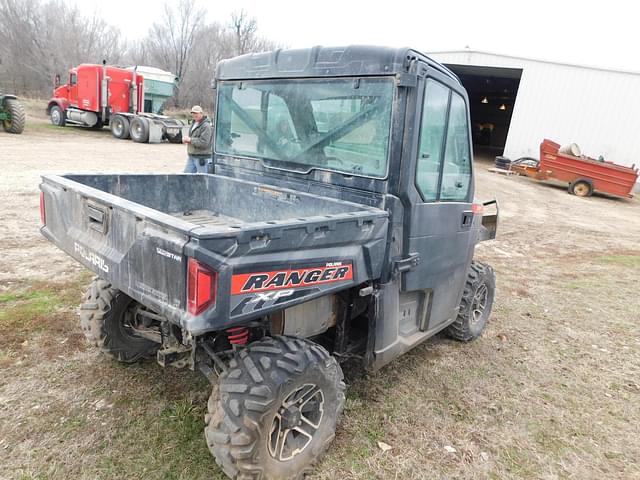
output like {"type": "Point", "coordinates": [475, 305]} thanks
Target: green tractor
{"type": "Point", "coordinates": [12, 114]}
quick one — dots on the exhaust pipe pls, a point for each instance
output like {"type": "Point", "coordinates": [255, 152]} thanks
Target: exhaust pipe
{"type": "Point", "coordinates": [104, 98]}
{"type": "Point", "coordinates": [134, 91]}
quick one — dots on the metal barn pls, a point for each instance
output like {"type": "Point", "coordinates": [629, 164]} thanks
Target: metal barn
{"type": "Point", "coordinates": [517, 102]}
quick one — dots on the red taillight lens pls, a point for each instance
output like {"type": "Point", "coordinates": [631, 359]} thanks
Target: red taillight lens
{"type": "Point", "coordinates": [201, 287]}
{"type": "Point", "coordinates": [477, 208]}
{"type": "Point", "coordinates": [43, 215]}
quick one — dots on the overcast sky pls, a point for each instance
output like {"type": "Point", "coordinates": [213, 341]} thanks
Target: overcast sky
{"type": "Point", "coordinates": [604, 34]}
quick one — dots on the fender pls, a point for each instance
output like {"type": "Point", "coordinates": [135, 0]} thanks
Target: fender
{"type": "Point", "coordinates": [63, 103]}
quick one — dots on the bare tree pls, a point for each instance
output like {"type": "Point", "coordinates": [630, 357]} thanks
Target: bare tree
{"type": "Point", "coordinates": [244, 29]}
{"type": "Point", "coordinates": [42, 38]}
{"type": "Point", "coordinates": [171, 41]}
{"type": "Point", "coordinates": [39, 39]}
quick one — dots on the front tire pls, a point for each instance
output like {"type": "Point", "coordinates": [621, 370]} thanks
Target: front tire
{"type": "Point", "coordinates": [105, 318]}
{"type": "Point", "coordinates": [275, 410]}
{"type": "Point", "coordinates": [476, 303]}
{"type": "Point", "coordinates": [58, 117]}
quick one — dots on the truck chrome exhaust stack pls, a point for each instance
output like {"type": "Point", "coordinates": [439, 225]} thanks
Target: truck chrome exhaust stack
{"type": "Point", "coordinates": [104, 98]}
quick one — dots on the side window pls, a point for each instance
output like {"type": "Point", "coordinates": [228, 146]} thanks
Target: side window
{"type": "Point", "coordinates": [73, 79]}
{"type": "Point", "coordinates": [434, 118]}
{"type": "Point", "coordinates": [456, 172]}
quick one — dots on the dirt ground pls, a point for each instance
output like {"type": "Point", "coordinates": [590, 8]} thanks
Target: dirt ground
{"type": "Point", "coordinates": [550, 391]}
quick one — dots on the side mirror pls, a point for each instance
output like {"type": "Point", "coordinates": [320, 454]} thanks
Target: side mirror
{"type": "Point", "coordinates": [56, 81]}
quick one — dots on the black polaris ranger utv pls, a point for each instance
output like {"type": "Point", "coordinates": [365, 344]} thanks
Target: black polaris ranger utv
{"type": "Point", "coordinates": [339, 223]}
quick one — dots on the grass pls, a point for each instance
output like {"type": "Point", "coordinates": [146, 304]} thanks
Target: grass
{"type": "Point", "coordinates": [631, 261]}
{"type": "Point", "coordinates": [38, 308]}
{"type": "Point", "coordinates": [548, 392]}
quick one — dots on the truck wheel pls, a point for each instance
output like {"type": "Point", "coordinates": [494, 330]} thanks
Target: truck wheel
{"type": "Point", "coordinates": [105, 318]}
{"type": "Point", "coordinates": [139, 130]}
{"type": "Point", "coordinates": [581, 188]}
{"type": "Point", "coordinates": [476, 303]}
{"type": "Point", "coordinates": [120, 127]}
{"type": "Point", "coordinates": [275, 410]}
{"type": "Point", "coordinates": [58, 117]}
{"type": "Point", "coordinates": [18, 117]}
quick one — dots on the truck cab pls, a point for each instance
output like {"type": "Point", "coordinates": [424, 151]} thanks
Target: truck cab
{"type": "Point", "coordinates": [339, 223]}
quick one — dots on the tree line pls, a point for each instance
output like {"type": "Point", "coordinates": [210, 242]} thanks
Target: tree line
{"type": "Point", "coordinates": [42, 38]}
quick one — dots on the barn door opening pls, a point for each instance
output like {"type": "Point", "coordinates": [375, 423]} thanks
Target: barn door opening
{"type": "Point", "coordinates": [492, 96]}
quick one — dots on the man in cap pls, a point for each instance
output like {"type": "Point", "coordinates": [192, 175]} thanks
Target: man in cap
{"type": "Point", "coordinates": [199, 142]}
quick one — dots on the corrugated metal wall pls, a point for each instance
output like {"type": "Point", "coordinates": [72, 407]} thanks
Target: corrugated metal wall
{"type": "Point", "coordinates": [597, 109]}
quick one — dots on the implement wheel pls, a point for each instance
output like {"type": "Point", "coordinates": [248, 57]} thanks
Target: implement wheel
{"type": "Point", "coordinates": [581, 188]}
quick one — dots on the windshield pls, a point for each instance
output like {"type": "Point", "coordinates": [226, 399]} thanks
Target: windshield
{"type": "Point", "coordinates": [332, 124]}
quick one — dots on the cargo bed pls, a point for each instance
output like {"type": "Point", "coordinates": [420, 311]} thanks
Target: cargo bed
{"type": "Point", "coordinates": [138, 231]}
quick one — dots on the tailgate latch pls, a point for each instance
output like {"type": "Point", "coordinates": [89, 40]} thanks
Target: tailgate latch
{"type": "Point", "coordinates": [97, 217]}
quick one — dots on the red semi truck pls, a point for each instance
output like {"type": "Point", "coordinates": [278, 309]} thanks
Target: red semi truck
{"type": "Point", "coordinates": [99, 95]}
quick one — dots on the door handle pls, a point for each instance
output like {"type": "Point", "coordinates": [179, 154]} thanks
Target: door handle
{"type": "Point", "coordinates": [467, 219]}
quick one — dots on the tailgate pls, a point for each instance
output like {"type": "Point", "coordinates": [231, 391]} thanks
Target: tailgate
{"type": "Point", "coordinates": [134, 247]}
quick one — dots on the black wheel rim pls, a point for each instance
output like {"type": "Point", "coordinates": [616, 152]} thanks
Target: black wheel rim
{"type": "Point", "coordinates": [296, 422]}
{"type": "Point", "coordinates": [479, 303]}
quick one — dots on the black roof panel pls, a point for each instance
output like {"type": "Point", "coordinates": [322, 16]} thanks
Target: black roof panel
{"type": "Point", "coordinates": [354, 60]}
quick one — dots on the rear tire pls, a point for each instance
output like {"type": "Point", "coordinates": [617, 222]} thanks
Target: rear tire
{"type": "Point", "coordinates": [58, 117]}
{"type": "Point", "coordinates": [18, 117]}
{"type": "Point", "coordinates": [274, 390]}
{"type": "Point", "coordinates": [139, 130]}
{"type": "Point", "coordinates": [103, 318]}
{"type": "Point", "coordinates": [119, 126]}
{"type": "Point", "coordinates": [476, 303]}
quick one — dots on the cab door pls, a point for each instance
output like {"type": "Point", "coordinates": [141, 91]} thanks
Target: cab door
{"type": "Point", "coordinates": [73, 87]}
{"type": "Point", "coordinates": [439, 192]}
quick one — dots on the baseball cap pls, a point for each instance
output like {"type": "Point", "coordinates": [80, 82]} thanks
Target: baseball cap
{"type": "Point", "coordinates": [197, 109]}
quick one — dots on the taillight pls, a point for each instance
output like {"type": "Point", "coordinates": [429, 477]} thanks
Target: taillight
{"type": "Point", "coordinates": [201, 287]}
{"type": "Point", "coordinates": [477, 208]}
{"type": "Point", "coordinates": [43, 215]}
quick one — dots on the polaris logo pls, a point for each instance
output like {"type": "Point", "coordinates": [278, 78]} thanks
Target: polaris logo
{"type": "Point", "coordinates": [91, 257]}
{"type": "Point", "coordinates": [286, 279]}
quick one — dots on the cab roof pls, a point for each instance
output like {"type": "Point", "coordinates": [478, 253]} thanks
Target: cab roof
{"type": "Point", "coordinates": [353, 60]}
